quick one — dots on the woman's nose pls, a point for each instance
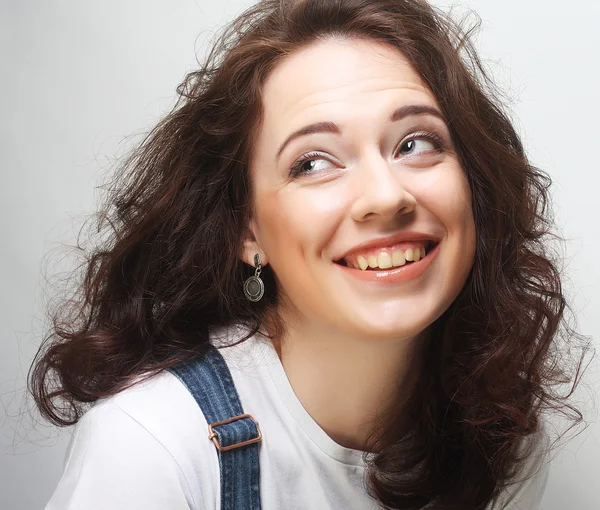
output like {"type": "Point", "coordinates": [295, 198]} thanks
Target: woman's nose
{"type": "Point", "coordinates": [380, 191]}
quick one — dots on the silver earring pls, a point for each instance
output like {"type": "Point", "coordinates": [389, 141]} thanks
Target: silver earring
{"type": "Point", "coordinates": [254, 288]}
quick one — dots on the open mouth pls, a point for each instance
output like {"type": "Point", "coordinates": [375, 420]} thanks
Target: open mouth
{"type": "Point", "coordinates": [384, 259]}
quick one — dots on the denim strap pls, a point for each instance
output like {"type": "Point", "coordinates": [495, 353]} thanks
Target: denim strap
{"type": "Point", "coordinates": [208, 379]}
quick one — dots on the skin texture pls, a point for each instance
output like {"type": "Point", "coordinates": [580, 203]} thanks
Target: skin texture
{"type": "Point", "coordinates": [350, 343]}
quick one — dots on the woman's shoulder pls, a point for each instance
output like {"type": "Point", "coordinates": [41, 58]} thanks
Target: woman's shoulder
{"type": "Point", "coordinates": [150, 434]}
{"type": "Point", "coordinates": [162, 405]}
{"type": "Point", "coordinates": [164, 408]}
{"type": "Point", "coordinates": [526, 489]}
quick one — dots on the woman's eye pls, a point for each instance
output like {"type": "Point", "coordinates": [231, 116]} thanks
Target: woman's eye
{"type": "Point", "coordinates": [416, 146]}
{"type": "Point", "coordinates": [308, 164]}
{"type": "Point", "coordinates": [420, 144]}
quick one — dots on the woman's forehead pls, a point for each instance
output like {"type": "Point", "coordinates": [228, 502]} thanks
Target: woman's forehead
{"type": "Point", "coordinates": [338, 78]}
{"type": "Point", "coordinates": [338, 64]}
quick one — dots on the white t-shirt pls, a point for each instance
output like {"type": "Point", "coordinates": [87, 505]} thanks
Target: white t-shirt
{"type": "Point", "coordinates": [147, 448]}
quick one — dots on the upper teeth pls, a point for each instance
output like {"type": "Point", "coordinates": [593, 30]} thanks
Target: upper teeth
{"type": "Point", "coordinates": [387, 259]}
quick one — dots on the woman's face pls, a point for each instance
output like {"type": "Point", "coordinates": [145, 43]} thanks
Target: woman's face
{"type": "Point", "coordinates": [354, 166]}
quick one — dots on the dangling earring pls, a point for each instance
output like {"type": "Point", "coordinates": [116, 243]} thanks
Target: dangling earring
{"type": "Point", "coordinates": [254, 288]}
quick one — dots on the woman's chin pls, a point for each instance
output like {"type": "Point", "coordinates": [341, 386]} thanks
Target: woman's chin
{"type": "Point", "coordinates": [389, 330]}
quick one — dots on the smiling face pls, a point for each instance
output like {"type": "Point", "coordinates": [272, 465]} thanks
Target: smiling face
{"type": "Point", "coordinates": [353, 166]}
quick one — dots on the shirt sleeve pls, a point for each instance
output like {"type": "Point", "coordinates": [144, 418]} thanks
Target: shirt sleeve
{"type": "Point", "coordinates": [114, 462]}
{"type": "Point", "coordinates": [527, 495]}
{"type": "Point", "coordinates": [527, 492]}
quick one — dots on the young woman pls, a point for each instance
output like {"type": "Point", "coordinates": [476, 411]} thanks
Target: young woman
{"type": "Point", "coordinates": [337, 233]}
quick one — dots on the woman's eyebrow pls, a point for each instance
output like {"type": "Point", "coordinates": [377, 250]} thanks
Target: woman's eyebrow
{"type": "Point", "coordinates": [332, 127]}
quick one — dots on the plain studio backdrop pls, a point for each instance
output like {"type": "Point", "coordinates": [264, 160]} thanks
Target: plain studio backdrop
{"type": "Point", "coordinates": [82, 80]}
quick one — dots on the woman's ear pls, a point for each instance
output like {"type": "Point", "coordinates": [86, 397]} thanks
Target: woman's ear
{"type": "Point", "coordinates": [251, 246]}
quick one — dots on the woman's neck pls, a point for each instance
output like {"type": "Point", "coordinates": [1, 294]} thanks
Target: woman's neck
{"type": "Point", "coordinates": [346, 384]}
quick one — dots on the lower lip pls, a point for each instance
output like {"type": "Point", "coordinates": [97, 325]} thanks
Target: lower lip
{"type": "Point", "coordinates": [409, 271]}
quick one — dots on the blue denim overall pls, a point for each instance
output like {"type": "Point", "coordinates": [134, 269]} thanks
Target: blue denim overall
{"type": "Point", "coordinates": [236, 435]}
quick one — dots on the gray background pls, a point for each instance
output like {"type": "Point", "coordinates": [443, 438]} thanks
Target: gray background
{"type": "Point", "coordinates": [81, 79]}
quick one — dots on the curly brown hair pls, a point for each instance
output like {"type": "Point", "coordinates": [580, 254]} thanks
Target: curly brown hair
{"type": "Point", "coordinates": [170, 269]}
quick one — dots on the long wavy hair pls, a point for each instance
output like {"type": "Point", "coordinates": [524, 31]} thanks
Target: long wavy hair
{"type": "Point", "coordinates": [168, 268]}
